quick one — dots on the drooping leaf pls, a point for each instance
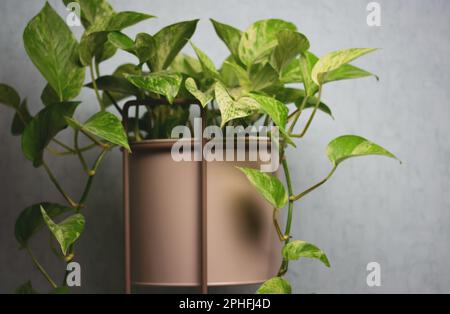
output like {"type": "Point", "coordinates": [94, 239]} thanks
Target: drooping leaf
{"type": "Point", "coordinates": [334, 60]}
{"type": "Point", "coordinates": [209, 69]}
{"type": "Point", "coordinates": [229, 35]}
{"type": "Point", "coordinates": [169, 41]}
{"type": "Point", "coordinates": [231, 109]}
{"type": "Point", "coordinates": [268, 185]}
{"type": "Point", "coordinates": [67, 231]}
{"type": "Point", "coordinates": [25, 288]}
{"type": "Point", "coordinates": [296, 249]}
{"type": "Point", "coordinates": [274, 108]}
{"type": "Point", "coordinates": [348, 146]}
{"type": "Point", "coordinates": [9, 96]}
{"type": "Point", "coordinates": [104, 125]}
{"type": "Point", "coordinates": [53, 49]}
{"type": "Point", "coordinates": [163, 83]}
{"type": "Point", "coordinates": [94, 41]}
{"type": "Point", "coordinates": [30, 219]}
{"type": "Point", "coordinates": [144, 47]}
{"type": "Point", "coordinates": [346, 72]}
{"type": "Point", "coordinates": [112, 83]}
{"type": "Point", "coordinates": [275, 285]}
{"type": "Point", "coordinates": [311, 103]}
{"type": "Point", "coordinates": [21, 119]}
{"type": "Point", "coordinates": [126, 19]}
{"type": "Point", "coordinates": [43, 127]}
{"type": "Point", "coordinates": [290, 45]}
{"type": "Point", "coordinates": [49, 96]}
{"type": "Point", "coordinates": [258, 41]}
{"type": "Point", "coordinates": [277, 111]}
{"type": "Point", "coordinates": [121, 41]}
{"type": "Point", "coordinates": [203, 98]}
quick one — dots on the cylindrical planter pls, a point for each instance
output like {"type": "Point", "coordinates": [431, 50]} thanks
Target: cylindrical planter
{"type": "Point", "coordinates": [165, 221]}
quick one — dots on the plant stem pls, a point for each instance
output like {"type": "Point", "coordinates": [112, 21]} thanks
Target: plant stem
{"type": "Point", "coordinates": [91, 178]}
{"type": "Point", "coordinates": [94, 84]}
{"type": "Point", "coordinates": [58, 187]}
{"type": "Point", "coordinates": [285, 263]}
{"type": "Point", "coordinates": [290, 193]}
{"type": "Point", "coordinates": [298, 113]}
{"type": "Point", "coordinates": [41, 268]}
{"type": "Point", "coordinates": [114, 102]}
{"type": "Point", "coordinates": [65, 153]}
{"type": "Point", "coordinates": [311, 117]}
{"type": "Point", "coordinates": [79, 153]}
{"type": "Point", "coordinates": [315, 186]}
{"type": "Point", "coordinates": [65, 146]}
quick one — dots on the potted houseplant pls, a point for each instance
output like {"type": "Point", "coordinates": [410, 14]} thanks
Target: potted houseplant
{"type": "Point", "coordinates": [270, 70]}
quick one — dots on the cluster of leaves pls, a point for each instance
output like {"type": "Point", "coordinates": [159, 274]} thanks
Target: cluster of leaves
{"type": "Point", "coordinates": [62, 61]}
{"type": "Point", "coordinates": [270, 66]}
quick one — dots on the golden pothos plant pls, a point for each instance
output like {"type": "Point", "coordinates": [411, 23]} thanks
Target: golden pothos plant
{"type": "Point", "coordinates": [269, 69]}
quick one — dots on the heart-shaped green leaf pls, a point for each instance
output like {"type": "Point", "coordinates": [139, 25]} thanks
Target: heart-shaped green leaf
{"type": "Point", "coordinates": [94, 41]}
{"type": "Point", "coordinates": [144, 47]}
{"type": "Point", "coordinates": [274, 108]}
{"type": "Point", "coordinates": [43, 127]}
{"type": "Point", "coordinates": [229, 35]}
{"type": "Point", "coordinates": [25, 288]}
{"type": "Point", "coordinates": [231, 109]}
{"type": "Point", "coordinates": [258, 41]}
{"type": "Point", "coordinates": [9, 96]}
{"type": "Point", "coordinates": [296, 249]}
{"type": "Point", "coordinates": [290, 45]}
{"type": "Point", "coordinates": [275, 285]}
{"type": "Point", "coordinates": [192, 88]}
{"type": "Point", "coordinates": [169, 41]}
{"type": "Point", "coordinates": [53, 49]}
{"type": "Point", "coordinates": [334, 60]}
{"type": "Point", "coordinates": [104, 125]}
{"type": "Point", "coordinates": [348, 146]}
{"type": "Point", "coordinates": [208, 67]}
{"type": "Point", "coordinates": [163, 83]}
{"type": "Point", "coordinates": [30, 219]}
{"type": "Point", "coordinates": [67, 231]}
{"type": "Point", "coordinates": [21, 119]}
{"type": "Point", "coordinates": [268, 185]}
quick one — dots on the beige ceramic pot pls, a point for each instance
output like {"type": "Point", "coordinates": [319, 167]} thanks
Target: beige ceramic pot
{"type": "Point", "coordinates": [165, 222]}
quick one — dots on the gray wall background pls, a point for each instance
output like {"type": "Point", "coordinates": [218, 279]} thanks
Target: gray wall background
{"type": "Point", "coordinates": [371, 210]}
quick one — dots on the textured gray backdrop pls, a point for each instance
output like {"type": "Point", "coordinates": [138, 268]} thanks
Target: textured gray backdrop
{"type": "Point", "coordinates": [371, 210]}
